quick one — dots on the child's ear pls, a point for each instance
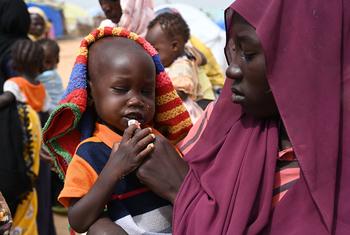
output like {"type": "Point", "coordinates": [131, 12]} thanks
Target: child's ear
{"type": "Point", "coordinates": [175, 45]}
{"type": "Point", "coordinates": [89, 84]}
{"type": "Point", "coordinates": [90, 100]}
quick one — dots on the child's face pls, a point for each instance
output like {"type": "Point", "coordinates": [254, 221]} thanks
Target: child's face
{"type": "Point", "coordinates": [50, 59]}
{"type": "Point", "coordinates": [246, 61]}
{"type": "Point", "coordinates": [166, 48]}
{"type": "Point", "coordinates": [112, 9]}
{"type": "Point", "coordinates": [122, 81]}
{"type": "Point", "coordinates": [37, 25]}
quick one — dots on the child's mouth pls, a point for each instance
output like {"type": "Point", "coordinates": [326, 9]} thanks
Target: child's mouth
{"type": "Point", "coordinates": [135, 116]}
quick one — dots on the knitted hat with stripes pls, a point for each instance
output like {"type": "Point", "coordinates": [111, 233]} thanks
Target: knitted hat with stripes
{"type": "Point", "coordinates": [71, 122]}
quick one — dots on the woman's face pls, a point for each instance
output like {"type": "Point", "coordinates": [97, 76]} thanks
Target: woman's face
{"type": "Point", "coordinates": [37, 25]}
{"type": "Point", "coordinates": [112, 9]}
{"type": "Point", "coordinates": [245, 56]}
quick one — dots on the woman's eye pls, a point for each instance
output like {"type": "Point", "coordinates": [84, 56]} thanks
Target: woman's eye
{"type": "Point", "coordinates": [247, 56]}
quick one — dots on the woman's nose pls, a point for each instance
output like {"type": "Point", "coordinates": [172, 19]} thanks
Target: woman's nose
{"type": "Point", "coordinates": [105, 7]}
{"type": "Point", "coordinates": [234, 72]}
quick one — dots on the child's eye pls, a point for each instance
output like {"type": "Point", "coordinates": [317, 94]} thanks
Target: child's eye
{"type": "Point", "coordinates": [120, 90]}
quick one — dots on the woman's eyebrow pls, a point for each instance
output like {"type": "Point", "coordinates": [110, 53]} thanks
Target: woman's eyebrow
{"type": "Point", "coordinates": [246, 38]}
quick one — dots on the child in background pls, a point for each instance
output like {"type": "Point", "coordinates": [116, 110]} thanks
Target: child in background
{"type": "Point", "coordinates": [126, 81]}
{"type": "Point", "coordinates": [169, 33]}
{"type": "Point", "coordinates": [50, 77]}
{"type": "Point", "coordinates": [27, 61]}
{"type": "Point", "coordinates": [209, 67]}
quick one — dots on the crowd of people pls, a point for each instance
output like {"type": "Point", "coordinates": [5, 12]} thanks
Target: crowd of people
{"type": "Point", "coordinates": [150, 138]}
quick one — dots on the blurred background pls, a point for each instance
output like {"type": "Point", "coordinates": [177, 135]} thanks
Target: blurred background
{"type": "Point", "coordinates": [77, 17]}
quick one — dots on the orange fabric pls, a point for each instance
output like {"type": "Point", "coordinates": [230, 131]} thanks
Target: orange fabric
{"type": "Point", "coordinates": [34, 93]}
{"type": "Point", "coordinates": [106, 135]}
{"type": "Point", "coordinates": [79, 179]}
{"type": "Point", "coordinates": [80, 175]}
{"type": "Point", "coordinates": [285, 177]}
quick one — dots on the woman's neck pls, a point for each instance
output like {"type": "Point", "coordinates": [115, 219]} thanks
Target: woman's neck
{"type": "Point", "coordinates": [284, 141]}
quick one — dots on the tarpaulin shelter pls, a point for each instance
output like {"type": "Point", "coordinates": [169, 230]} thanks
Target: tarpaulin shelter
{"type": "Point", "coordinates": [54, 14]}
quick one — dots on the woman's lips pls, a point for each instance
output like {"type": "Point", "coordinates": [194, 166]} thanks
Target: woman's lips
{"type": "Point", "coordinates": [237, 96]}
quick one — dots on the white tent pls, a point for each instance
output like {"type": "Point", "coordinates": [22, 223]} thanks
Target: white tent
{"type": "Point", "coordinates": [204, 28]}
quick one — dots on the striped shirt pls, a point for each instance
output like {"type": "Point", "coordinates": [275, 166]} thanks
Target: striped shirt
{"type": "Point", "coordinates": [132, 206]}
{"type": "Point", "coordinates": [287, 170]}
{"type": "Point", "coordinates": [286, 175]}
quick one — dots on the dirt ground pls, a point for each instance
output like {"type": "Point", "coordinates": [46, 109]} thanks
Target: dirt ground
{"type": "Point", "coordinates": [69, 49]}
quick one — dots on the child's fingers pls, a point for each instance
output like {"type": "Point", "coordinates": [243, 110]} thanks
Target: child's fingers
{"type": "Point", "coordinates": [144, 153]}
{"type": "Point", "coordinates": [143, 143]}
{"type": "Point", "coordinates": [139, 135]}
{"type": "Point", "coordinates": [128, 133]}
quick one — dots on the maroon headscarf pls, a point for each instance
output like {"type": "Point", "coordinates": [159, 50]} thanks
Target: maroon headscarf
{"type": "Point", "coordinates": [229, 187]}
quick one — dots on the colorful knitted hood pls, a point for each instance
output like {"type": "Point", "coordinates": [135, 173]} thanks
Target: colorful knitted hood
{"type": "Point", "coordinates": [71, 122]}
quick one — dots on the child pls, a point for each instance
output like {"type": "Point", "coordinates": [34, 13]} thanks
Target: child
{"type": "Point", "coordinates": [169, 33]}
{"type": "Point", "coordinates": [27, 61]}
{"type": "Point", "coordinates": [125, 81]}
{"type": "Point", "coordinates": [50, 77]}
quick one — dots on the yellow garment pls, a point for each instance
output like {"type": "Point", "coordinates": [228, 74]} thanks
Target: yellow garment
{"type": "Point", "coordinates": [205, 85]}
{"type": "Point", "coordinates": [24, 221]}
{"type": "Point", "coordinates": [212, 68]}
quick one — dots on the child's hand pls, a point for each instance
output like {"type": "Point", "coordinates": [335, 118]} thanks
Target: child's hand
{"type": "Point", "coordinates": [127, 155]}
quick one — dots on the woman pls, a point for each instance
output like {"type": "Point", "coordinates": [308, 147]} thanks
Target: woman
{"type": "Point", "coordinates": [289, 89]}
{"type": "Point", "coordinates": [132, 15]}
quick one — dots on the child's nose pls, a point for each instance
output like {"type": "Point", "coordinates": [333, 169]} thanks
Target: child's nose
{"type": "Point", "coordinates": [135, 100]}
{"type": "Point", "coordinates": [234, 72]}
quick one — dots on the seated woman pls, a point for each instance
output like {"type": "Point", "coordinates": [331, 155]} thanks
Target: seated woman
{"type": "Point", "coordinates": [288, 84]}
{"type": "Point", "coordinates": [287, 87]}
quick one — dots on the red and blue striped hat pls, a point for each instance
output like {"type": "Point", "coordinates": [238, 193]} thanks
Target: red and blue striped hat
{"type": "Point", "coordinates": [68, 126]}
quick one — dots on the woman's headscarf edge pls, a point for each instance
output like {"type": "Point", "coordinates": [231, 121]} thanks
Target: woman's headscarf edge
{"type": "Point", "coordinates": [62, 132]}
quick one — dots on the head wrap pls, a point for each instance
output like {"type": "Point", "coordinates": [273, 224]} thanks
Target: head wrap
{"type": "Point", "coordinates": [41, 13]}
{"type": "Point", "coordinates": [136, 15]}
{"type": "Point", "coordinates": [229, 187]}
{"type": "Point", "coordinates": [70, 122]}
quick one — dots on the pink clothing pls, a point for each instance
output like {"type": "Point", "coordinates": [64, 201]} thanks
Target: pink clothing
{"type": "Point", "coordinates": [228, 189]}
{"type": "Point", "coordinates": [136, 15]}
